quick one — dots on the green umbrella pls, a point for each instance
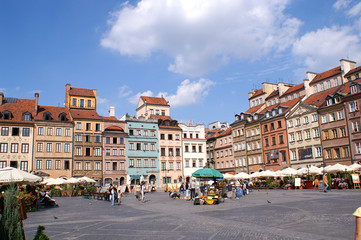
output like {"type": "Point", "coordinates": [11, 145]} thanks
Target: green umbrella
{"type": "Point", "coordinates": [207, 173]}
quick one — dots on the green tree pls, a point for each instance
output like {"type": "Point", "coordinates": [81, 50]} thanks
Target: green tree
{"type": "Point", "coordinates": [11, 220]}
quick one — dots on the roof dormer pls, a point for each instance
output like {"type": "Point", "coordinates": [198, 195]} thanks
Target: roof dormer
{"type": "Point", "coordinates": [27, 116]}
{"type": "Point", "coordinates": [47, 116]}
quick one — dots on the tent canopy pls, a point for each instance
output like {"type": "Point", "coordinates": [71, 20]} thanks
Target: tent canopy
{"type": "Point", "coordinates": [10, 174]}
{"type": "Point", "coordinates": [207, 173]}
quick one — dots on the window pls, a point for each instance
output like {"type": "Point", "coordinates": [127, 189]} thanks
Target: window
{"type": "Point", "coordinates": [139, 163]}
{"type": "Point", "coordinates": [25, 148]}
{"type": "Point", "coordinates": [97, 127]}
{"type": "Point", "coordinates": [97, 152]}
{"type": "Point", "coordinates": [200, 148]}
{"type": "Point", "coordinates": [171, 165]}
{"type": "Point", "coordinates": [353, 106]}
{"type": "Point", "coordinates": [139, 146]}
{"type": "Point", "coordinates": [88, 127]}
{"type": "Point", "coordinates": [145, 163]}
{"type": "Point", "coordinates": [178, 165]}
{"type": "Point", "coordinates": [307, 134]}
{"type": "Point", "coordinates": [78, 126]}
{"type": "Point", "coordinates": [49, 131]}
{"type": "Point", "coordinates": [152, 147]}
{"type": "Point", "coordinates": [170, 151]}
{"type": "Point", "coordinates": [305, 120]}
{"type": "Point", "coordinates": [343, 132]}
{"type": "Point", "coordinates": [131, 132]}
{"type": "Point", "coordinates": [27, 117]}
{"type": "Point", "coordinates": [78, 138]}
{"type": "Point", "coordinates": [15, 131]}
{"type": "Point", "coordinates": [314, 118]}
{"type": "Point", "coordinates": [337, 153]}
{"type": "Point", "coordinates": [115, 152]}
{"type": "Point", "coordinates": [87, 166]}
{"type": "Point", "coordinates": [162, 151]}
{"type": "Point", "coordinates": [121, 166]}
{"type": "Point", "coordinates": [58, 147]}
{"type": "Point", "coordinates": [26, 132]}
{"type": "Point", "coordinates": [279, 124]}
{"type": "Point", "coordinates": [23, 165]}
{"type": "Point", "coordinates": [131, 146]}
{"type": "Point", "coordinates": [358, 147]}
{"type": "Point", "coordinates": [298, 122]}
{"type": "Point", "coordinates": [3, 147]}
{"type": "Point", "coordinates": [131, 162]}
{"type": "Point", "coordinates": [340, 115]}
{"type": "Point", "coordinates": [328, 84]}
{"type": "Point", "coordinates": [121, 152]}
{"type": "Point", "coordinates": [272, 126]}
{"type": "Point", "coordinates": [67, 147]}
{"type": "Point", "coordinates": [87, 138]}
{"type": "Point", "coordinates": [39, 147]}
{"type": "Point", "coordinates": [170, 136]}
{"type": "Point", "coordinates": [273, 141]}
{"type": "Point", "coordinates": [292, 137]}
{"type": "Point", "coordinates": [78, 151]}
{"type": "Point", "coordinates": [39, 164]}
{"type": "Point", "coordinates": [78, 166]}
{"type": "Point", "coordinates": [107, 152]}
{"type": "Point", "coordinates": [266, 142]}
{"type": "Point", "coordinates": [121, 140]}
{"type": "Point", "coordinates": [82, 104]}
{"type": "Point", "coordinates": [5, 131]}
{"type": "Point", "coordinates": [265, 128]}
{"type": "Point", "coordinates": [67, 132]}
{"type": "Point", "coordinates": [353, 89]}
{"type": "Point", "coordinates": [324, 119]}
{"type": "Point", "coordinates": [319, 151]}
{"type": "Point", "coordinates": [89, 103]}
{"type": "Point", "coordinates": [48, 165]}
{"type": "Point", "coordinates": [281, 139]}
{"type": "Point", "coordinates": [14, 147]}
{"type": "Point", "coordinates": [97, 138]}
{"type": "Point", "coordinates": [163, 112]}
{"type": "Point", "coordinates": [194, 149]}
{"type": "Point", "coordinates": [152, 163]}
{"type": "Point", "coordinates": [58, 132]}
{"type": "Point", "coordinates": [356, 126]}
{"type": "Point", "coordinates": [57, 164]}
{"type": "Point", "coordinates": [332, 117]}
{"type": "Point", "coordinates": [299, 136]}
{"type": "Point", "coordinates": [294, 154]}
{"type": "Point", "coordinates": [138, 132]}
{"type": "Point", "coordinates": [156, 112]}
{"type": "Point", "coordinates": [74, 102]}
{"type": "Point", "coordinates": [162, 136]}
{"type": "Point", "coordinates": [145, 146]}
{"type": "Point", "coordinates": [326, 135]}
{"type": "Point", "coordinates": [49, 147]}
{"type": "Point", "coordinates": [334, 133]}
{"type": "Point", "coordinates": [316, 132]}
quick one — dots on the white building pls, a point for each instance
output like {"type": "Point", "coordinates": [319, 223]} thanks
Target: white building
{"type": "Point", "coordinates": [194, 147]}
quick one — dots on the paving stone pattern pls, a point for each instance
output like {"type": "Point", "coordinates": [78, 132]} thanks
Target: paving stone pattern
{"type": "Point", "coordinates": [292, 214]}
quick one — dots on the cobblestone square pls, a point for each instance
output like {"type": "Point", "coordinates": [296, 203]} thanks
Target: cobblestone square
{"type": "Point", "coordinates": [291, 214]}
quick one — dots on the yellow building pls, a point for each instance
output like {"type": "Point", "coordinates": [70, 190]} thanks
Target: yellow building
{"type": "Point", "coordinates": [148, 106]}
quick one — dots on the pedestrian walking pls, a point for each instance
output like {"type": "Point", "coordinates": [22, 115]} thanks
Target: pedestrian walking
{"type": "Point", "coordinates": [119, 195]}
{"type": "Point", "coordinates": [325, 182]}
{"type": "Point", "coordinates": [181, 189]}
{"type": "Point", "coordinates": [112, 194]}
{"type": "Point", "coordinates": [193, 189]}
{"type": "Point", "coordinates": [143, 191]}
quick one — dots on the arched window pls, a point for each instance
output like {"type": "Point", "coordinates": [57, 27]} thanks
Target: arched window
{"type": "Point", "coordinates": [47, 116]}
{"type": "Point", "coordinates": [62, 117]}
{"type": "Point", "coordinates": [26, 116]}
{"type": "Point", "coordinates": [6, 115]}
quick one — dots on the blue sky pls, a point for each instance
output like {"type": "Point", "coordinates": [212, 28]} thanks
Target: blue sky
{"type": "Point", "coordinates": [202, 56]}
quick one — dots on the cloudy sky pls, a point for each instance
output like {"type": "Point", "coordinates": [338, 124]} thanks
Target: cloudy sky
{"type": "Point", "coordinates": [203, 56]}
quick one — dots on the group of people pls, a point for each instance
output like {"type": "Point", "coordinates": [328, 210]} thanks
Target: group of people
{"type": "Point", "coordinates": [115, 194]}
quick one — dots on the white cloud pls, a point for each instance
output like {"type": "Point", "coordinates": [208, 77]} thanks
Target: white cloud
{"type": "Point", "coordinates": [124, 91]}
{"type": "Point", "coordinates": [2, 89]}
{"type": "Point", "coordinates": [341, 4]}
{"type": "Point", "coordinates": [188, 93]}
{"type": "Point", "coordinates": [134, 99]}
{"type": "Point", "coordinates": [355, 10]}
{"type": "Point", "coordinates": [201, 35]}
{"type": "Point", "coordinates": [322, 48]}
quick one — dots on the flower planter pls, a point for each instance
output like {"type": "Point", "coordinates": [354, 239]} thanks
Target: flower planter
{"type": "Point", "coordinates": [309, 184]}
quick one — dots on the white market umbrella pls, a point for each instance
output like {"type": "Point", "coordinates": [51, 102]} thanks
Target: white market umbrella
{"type": "Point", "coordinates": [10, 174]}
{"type": "Point", "coordinates": [287, 172]}
{"type": "Point", "coordinates": [255, 175]}
{"type": "Point", "coordinates": [355, 166]}
{"type": "Point", "coordinates": [338, 168]}
{"type": "Point", "coordinates": [315, 170]}
{"type": "Point", "coordinates": [228, 176]}
{"type": "Point", "coordinates": [302, 171]}
{"type": "Point", "coordinates": [57, 181]}
{"type": "Point", "coordinates": [73, 180]}
{"type": "Point", "coordinates": [87, 179]}
{"type": "Point", "coordinates": [242, 175]}
{"type": "Point", "coordinates": [268, 173]}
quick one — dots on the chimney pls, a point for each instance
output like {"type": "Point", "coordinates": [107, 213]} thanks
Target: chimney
{"type": "Point", "coordinates": [1, 98]}
{"type": "Point", "coordinates": [36, 101]}
{"type": "Point", "coordinates": [311, 76]}
{"type": "Point", "coordinates": [346, 66]}
{"type": "Point", "coordinates": [111, 111]}
{"type": "Point", "coordinates": [67, 97]}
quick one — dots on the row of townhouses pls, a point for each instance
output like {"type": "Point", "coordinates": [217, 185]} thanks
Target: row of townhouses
{"type": "Point", "coordinates": [74, 141]}
{"type": "Point", "coordinates": [315, 123]}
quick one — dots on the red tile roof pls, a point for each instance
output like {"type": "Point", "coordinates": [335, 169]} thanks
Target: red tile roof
{"type": "Point", "coordinates": [155, 101]}
{"type": "Point", "coordinates": [352, 71]}
{"type": "Point", "coordinates": [161, 117]}
{"type": "Point", "coordinates": [295, 89]}
{"type": "Point", "coordinates": [318, 99]}
{"type": "Point", "coordinates": [259, 92]}
{"type": "Point", "coordinates": [273, 94]}
{"type": "Point", "coordinates": [114, 128]}
{"type": "Point", "coordinates": [288, 104]}
{"type": "Point", "coordinates": [326, 74]}
{"type": "Point", "coordinates": [17, 109]}
{"type": "Point", "coordinates": [254, 109]}
{"type": "Point", "coordinates": [83, 92]}
{"type": "Point", "coordinates": [164, 118]}
{"type": "Point", "coordinates": [269, 108]}
{"type": "Point", "coordinates": [110, 119]}
{"type": "Point", "coordinates": [54, 111]}
{"type": "Point", "coordinates": [85, 114]}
